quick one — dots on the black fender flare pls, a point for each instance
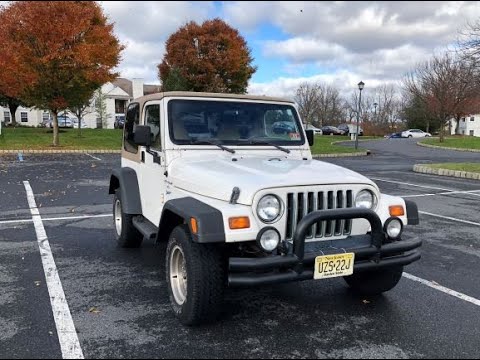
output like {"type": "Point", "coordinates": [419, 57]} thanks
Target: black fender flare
{"type": "Point", "coordinates": [210, 227]}
{"type": "Point", "coordinates": [126, 180]}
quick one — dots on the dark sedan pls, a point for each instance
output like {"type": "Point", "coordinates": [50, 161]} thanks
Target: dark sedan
{"type": "Point", "coordinates": [332, 130]}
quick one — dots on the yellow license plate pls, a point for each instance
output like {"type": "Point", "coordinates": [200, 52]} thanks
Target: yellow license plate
{"type": "Point", "coordinates": [329, 266]}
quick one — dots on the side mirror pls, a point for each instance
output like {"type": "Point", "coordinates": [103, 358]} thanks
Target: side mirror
{"type": "Point", "coordinates": [310, 137]}
{"type": "Point", "coordinates": [142, 136]}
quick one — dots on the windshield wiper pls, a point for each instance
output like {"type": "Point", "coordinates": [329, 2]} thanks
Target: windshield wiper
{"type": "Point", "coordinates": [263, 142]}
{"type": "Point", "coordinates": [208, 142]}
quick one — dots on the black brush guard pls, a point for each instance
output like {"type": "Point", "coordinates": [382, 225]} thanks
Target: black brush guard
{"type": "Point", "coordinates": [245, 272]}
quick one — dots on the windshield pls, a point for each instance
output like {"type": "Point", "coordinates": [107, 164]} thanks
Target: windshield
{"type": "Point", "coordinates": [233, 123]}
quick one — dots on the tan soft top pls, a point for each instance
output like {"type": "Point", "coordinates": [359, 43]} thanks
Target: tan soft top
{"type": "Point", "coordinates": [158, 96]}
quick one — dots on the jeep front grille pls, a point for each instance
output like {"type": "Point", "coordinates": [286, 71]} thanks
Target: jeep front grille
{"type": "Point", "coordinates": [302, 203]}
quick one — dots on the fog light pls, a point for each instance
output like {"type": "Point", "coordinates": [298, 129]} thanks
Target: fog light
{"type": "Point", "coordinates": [393, 227]}
{"type": "Point", "coordinates": [268, 239]}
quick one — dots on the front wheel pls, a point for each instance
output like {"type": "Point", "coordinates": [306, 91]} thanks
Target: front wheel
{"type": "Point", "coordinates": [409, 136]}
{"type": "Point", "coordinates": [195, 278]}
{"type": "Point", "coordinates": [127, 235]}
{"type": "Point", "coordinates": [375, 282]}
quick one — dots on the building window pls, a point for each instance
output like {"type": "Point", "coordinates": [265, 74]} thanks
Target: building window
{"type": "Point", "coordinates": [24, 116]}
{"type": "Point", "coordinates": [46, 116]}
{"type": "Point", "coordinates": [462, 119]}
{"type": "Point", "coordinates": [472, 118]}
{"type": "Point", "coordinates": [6, 116]}
{"type": "Point", "coordinates": [472, 133]}
{"type": "Point", "coordinates": [120, 106]}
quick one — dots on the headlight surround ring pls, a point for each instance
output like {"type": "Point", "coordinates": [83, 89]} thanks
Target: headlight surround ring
{"type": "Point", "coordinates": [269, 208]}
{"type": "Point", "coordinates": [366, 199]}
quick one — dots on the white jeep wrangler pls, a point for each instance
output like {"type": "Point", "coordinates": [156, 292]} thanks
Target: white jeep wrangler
{"type": "Point", "coordinates": [229, 182]}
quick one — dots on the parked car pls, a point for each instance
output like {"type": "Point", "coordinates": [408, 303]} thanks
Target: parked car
{"type": "Point", "coordinates": [332, 130]}
{"type": "Point", "coordinates": [415, 133]}
{"type": "Point", "coordinates": [316, 130]}
{"type": "Point", "coordinates": [119, 122]}
{"type": "Point", "coordinates": [63, 122]}
{"type": "Point", "coordinates": [350, 128]}
{"type": "Point", "coordinates": [75, 124]}
{"type": "Point", "coordinates": [395, 135]}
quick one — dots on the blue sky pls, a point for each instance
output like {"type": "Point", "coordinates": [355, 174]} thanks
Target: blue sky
{"type": "Point", "coordinates": [336, 42]}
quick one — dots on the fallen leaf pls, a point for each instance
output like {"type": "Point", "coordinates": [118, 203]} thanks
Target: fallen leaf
{"type": "Point", "coordinates": [37, 283]}
{"type": "Point", "coordinates": [365, 301]}
{"type": "Point", "coordinates": [93, 310]}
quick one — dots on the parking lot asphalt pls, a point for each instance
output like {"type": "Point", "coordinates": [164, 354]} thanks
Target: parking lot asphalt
{"type": "Point", "coordinates": [118, 300]}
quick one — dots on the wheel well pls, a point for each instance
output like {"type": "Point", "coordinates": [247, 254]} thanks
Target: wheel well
{"type": "Point", "coordinates": [114, 184]}
{"type": "Point", "coordinates": [169, 221]}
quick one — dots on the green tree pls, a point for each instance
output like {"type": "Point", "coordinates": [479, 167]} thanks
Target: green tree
{"type": "Point", "coordinates": [101, 108]}
{"type": "Point", "coordinates": [210, 57]}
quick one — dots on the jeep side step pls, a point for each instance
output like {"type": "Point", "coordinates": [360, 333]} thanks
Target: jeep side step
{"type": "Point", "coordinates": [147, 229]}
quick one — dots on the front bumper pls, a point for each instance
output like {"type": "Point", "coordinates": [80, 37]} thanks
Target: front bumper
{"type": "Point", "coordinates": [244, 272]}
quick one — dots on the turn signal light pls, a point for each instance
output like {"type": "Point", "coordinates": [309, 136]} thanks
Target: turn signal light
{"type": "Point", "coordinates": [241, 222]}
{"type": "Point", "coordinates": [194, 225]}
{"type": "Point", "coordinates": [396, 210]}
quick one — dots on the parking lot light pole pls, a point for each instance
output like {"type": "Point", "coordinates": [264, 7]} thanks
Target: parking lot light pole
{"type": "Point", "coordinates": [360, 87]}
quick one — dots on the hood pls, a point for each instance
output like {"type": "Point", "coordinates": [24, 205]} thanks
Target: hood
{"type": "Point", "coordinates": [216, 176]}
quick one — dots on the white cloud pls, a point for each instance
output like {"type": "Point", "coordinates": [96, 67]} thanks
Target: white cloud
{"type": "Point", "coordinates": [143, 27]}
{"type": "Point", "coordinates": [301, 50]}
{"type": "Point", "coordinates": [352, 40]}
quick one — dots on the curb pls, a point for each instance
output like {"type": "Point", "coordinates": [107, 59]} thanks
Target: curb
{"type": "Point", "coordinates": [60, 151]}
{"type": "Point", "coordinates": [446, 172]}
{"type": "Point", "coordinates": [318, 156]}
{"type": "Point", "coordinates": [446, 148]}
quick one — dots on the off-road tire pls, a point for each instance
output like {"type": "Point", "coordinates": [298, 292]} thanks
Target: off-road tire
{"type": "Point", "coordinates": [127, 235]}
{"type": "Point", "coordinates": [375, 282]}
{"type": "Point", "coordinates": [205, 278]}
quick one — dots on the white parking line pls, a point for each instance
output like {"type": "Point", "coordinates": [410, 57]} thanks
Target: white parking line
{"type": "Point", "coordinates": [443, 289]}
{"type": "Point", "coordinates": [450, 218]}
{"type": "Point", "coordinates": [96, 158]}
{"type": "Point", "coordinates": [67, 335]}
{"type": "Point", "coordinates": [22, 221]}
{"type": "Point", "coordinates": [410, 184]}
{"type": "Point", "coordinates": [471, 192]}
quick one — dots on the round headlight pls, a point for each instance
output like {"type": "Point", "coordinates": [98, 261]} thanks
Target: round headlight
{"type": "Point", "coordinates": [393, 228]}
{"type": "Point", "coordinates": [269, 208]}
{"type": "Point", "coordinates": [365, 199]}
{"type": "Point", "coordinates": [268, 239]}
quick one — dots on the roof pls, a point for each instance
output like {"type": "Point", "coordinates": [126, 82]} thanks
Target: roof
{"type": "Point", "coordinates": [126, 85]}
{"type": "Point", "coordinates": [161, 95]}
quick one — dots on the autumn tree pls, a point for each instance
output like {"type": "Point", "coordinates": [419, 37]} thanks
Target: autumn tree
{"type": "Point", "coordinates": [59, 60]}
{"type": "Point", "coordinates": [329, 110]}
{"type": "Point", "coordinates": [211, 57]}
{"type": "Point", "coordinates": [307, 97]}
{"type": "Point", "coordinates": [446, 86]}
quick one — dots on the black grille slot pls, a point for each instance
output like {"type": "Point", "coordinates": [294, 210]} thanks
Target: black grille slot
{"type": "Point", "coordinates": [347, 227]}
{"type": "Point", "coordinates": [301, 204]}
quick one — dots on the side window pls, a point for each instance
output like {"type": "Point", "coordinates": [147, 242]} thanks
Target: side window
{"type": "Point", "coordinates": [131, 122]}
{"type": "Point", "coordinates": [152, 119]}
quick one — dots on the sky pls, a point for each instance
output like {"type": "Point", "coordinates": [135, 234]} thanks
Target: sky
{"type": "Point", "coordinates": [336, 42]}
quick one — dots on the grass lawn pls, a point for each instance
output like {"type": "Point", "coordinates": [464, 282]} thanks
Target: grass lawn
{"type": "Point", "coordinates": [41, 139]}
{"type": "Point", "coordinates": [470, 167]}
{"type": "Point", "coordinates": [323, 145]}
{"type": "Point", "coordinates": [103, 139]}
{"type": "Point", "coordinates": [463, 142]}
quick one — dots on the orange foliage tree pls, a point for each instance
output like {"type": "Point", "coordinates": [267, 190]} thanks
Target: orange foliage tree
{"type": "Point", "coordinates": [54, 52]}
{"type": "Point", "coordinates": [211, 57]}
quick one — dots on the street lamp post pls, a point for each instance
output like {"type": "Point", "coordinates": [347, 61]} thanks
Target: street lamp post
{"type": "Point", "coordinates": [375, 106]}
{"type": "Point", "coordinates": [360, 87]}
